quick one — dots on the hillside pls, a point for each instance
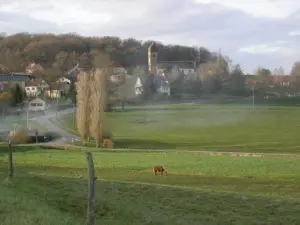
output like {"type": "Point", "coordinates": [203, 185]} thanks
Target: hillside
{"type": "Point", "coordinates": [64, 51]}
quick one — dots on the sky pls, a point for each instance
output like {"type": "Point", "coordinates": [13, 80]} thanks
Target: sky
{"type": "Point", "coordinates": [253, 33]}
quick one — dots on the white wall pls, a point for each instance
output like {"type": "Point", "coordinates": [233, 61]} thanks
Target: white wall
{"type": "Point", "coordinates": [32, 91]}
{"type": "Point", "coordinates": [187, 71]}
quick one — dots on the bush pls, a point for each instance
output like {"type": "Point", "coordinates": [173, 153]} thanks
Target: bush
{"type": "Point", "coordinates": [108, 143]}
{"type": "Point", "coordinates": [18, 137]}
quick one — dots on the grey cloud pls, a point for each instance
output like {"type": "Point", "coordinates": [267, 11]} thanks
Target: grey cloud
{"type": "Point", "coordinates": [183, 22]}
{"type": "Point", "coordinates": [14, 23]}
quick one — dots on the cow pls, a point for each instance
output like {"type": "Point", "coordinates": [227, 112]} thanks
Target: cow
{"type": "Point", "coordinates": [159, 169]}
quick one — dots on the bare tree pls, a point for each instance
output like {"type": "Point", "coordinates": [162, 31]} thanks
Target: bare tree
{"type": "Point", "coordinates": [82, 111]}
{"type": "Point", "coordinates": [98, 100]}
{"type": "Point", "coordinates": [295, 73]}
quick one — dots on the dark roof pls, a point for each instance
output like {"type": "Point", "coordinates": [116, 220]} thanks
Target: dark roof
{"type": "Point", "coordinates": [160, 81]}
{"type": "Point", "coordinates": [15, 77]}
{"type": "Point", "coordinates": [164, 65]}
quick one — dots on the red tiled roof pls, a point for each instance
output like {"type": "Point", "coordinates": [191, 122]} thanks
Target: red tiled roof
{"type": "Point", "coordinates": [34, 82]}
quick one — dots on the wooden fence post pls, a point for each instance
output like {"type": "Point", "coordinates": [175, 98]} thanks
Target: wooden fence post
{"type": "Point", "coordinates": [10, 161]}
{"type": "Point", "coordinates": [91, 190]}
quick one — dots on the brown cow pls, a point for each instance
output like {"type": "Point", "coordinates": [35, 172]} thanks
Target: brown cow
{"type": "Point", "coordinates": [159, 169]}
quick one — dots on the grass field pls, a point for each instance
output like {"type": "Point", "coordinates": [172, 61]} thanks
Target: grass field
{"type": "Point", "coordinates": [49, 187]}
{"type": "Point", "coordinates": [207, 127]}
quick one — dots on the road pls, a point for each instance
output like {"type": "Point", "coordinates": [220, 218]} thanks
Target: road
{"type": "Point", "coordinates": [44, 122]}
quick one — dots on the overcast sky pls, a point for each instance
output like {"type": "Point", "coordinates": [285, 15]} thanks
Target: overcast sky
{"type": "Point", "coordinates": [251, 32]}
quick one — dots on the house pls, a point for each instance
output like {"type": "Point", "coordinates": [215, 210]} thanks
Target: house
{"type": "Point", "coordinates": [56, 90]}
{"type": "Point", "coordinates": [37, 105]}
{"type": "Point", "coordinates": [160, 83]}
{"type": "Point", "coordinates": [43, 84]}
{"type": "Point", "coordinates": [34, 67]}
{"type": "Point", "coordinates": [138, 87]}
{"type": "Point", "coordinates": [8, 80]}
{"type": "Point", "coordinates": [187, 68]}
{"type": "Point", "coordinates": [117, 68]}
{"type": "Point", "coordinates": [175, 69]}
{"type": "Point", "coordinates": [64, 80]}
{"type": "Point", "coordinates": [283, 81]}
{"type": "Point", "coordinates": [33, 89]}
{"type": "Point", "coordinates": [271, 81]}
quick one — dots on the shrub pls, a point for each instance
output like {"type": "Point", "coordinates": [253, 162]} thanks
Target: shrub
{"type": "Point", "coordinates": [19, 137]}
{"type": "Point", "coordinates": [108, 143]}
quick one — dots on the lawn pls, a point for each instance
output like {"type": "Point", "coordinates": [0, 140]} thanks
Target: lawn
{"type": "Point", "coordinates": [49, 187]}
{"type": "Point", "coordinates": [205, 127]}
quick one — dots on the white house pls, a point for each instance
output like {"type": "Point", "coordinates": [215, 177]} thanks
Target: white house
{"type": "Point", "coordinates": [37, 105]}
{"type": "Point", "coordinates": [161, 84]}
{"type": "Point", "coordinates": [33, 89]}
{"type": "Point", "coordinates": [117, 68]}
{"type": "Point", "coordinates": [175, 68]}
{"type": "Point", "coordinates": [64, 80]}
{"type": "Point", "coordinates": [57, 90]}
{"type": "Point", "coordinates": [138, 87]}
{"type": "Point", "coordinates": [187, 71]}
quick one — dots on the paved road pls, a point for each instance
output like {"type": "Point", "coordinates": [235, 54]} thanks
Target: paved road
{"type": "Point", "coordinates": [43, 121]}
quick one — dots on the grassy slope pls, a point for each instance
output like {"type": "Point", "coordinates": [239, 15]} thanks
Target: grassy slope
{"type": "Point", "coordinates": [212, 128]}
{"type": "Point", "coordinates": [49, 189]}
{"type": "Point", "coordinates": [48, 200]}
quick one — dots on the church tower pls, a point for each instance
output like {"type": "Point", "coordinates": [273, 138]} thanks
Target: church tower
{"type": "Point", "coordinates": [152, 58]}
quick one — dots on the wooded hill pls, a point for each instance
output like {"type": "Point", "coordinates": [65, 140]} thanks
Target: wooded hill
{"type": "Point", "coordinates": [64, 51]}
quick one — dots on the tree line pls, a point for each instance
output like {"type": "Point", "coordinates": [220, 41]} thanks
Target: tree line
{"type": "Point", "coordinates": [64, 51]}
